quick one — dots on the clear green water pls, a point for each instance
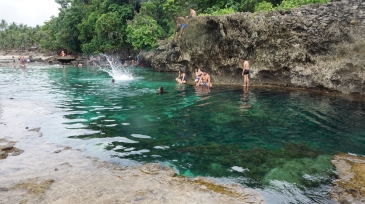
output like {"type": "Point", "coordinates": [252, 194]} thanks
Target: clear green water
{"type": "Point", "coordinates": [279, 142]}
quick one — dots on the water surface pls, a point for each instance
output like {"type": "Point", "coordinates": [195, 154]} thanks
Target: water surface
{"type": "Point", "coordinates": [277, 141]}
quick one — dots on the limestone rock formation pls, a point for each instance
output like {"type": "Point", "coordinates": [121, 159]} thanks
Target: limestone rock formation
{"type": "Point", "coordinates": [350, 185]}
{"type": "Point", "coordinates": [320, 45]}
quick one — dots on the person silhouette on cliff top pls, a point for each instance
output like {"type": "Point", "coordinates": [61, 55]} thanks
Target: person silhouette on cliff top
{"type": "Point", "coordinates": [192, 13]}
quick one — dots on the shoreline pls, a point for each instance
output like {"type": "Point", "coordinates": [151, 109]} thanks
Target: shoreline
{"type": "Point", "coordinates": [323, 91]}
{"type": "Point", "coordinates": [48, 173]}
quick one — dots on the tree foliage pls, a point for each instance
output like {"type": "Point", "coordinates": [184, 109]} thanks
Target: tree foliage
{"type": "Point", "coordinates": [143, 31]}
{"type": "Point", "coordinates": [14, 36]}
{"type": "Point", "coordinates": [95, 26]}
{"type": "Point", "coordinates": [263, 6]}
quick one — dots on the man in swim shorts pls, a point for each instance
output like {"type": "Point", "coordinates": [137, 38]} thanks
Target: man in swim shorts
{"type": "Point", "coordinates": [245, 71]}
{"type": "Point", "coordinates": [22, 60]}
{"type": "Point", "coordinates": [205, 80]}
{"type": "Point", "coordinates": [192, 14]}
{"type": "Point", "coordinates": [181, 24]}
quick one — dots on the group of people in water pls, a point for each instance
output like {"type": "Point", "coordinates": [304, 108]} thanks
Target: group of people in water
{"type": "Point", "coordinates": [22, 61]}
{"type": "Point", "coordinates": [202, 78]}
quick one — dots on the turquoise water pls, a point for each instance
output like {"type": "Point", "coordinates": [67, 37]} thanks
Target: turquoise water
{"type": "Point", "coordinates": [277, 141]}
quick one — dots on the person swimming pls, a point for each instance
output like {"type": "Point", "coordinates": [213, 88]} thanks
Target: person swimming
{"type": "Point", "coordinates": [160, 90]}
{"type": "Point", "coordinates": [113, 80]}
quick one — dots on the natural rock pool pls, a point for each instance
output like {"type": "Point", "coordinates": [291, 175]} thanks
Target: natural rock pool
{"type": "Point", "coordinates": [278, 141]}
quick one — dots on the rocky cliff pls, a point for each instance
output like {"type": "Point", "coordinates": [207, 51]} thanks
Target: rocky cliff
{"type": "Point", "coordinates": [311, 46]}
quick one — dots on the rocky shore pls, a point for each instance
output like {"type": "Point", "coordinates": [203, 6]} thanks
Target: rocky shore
{"type": "Point", "coordinates": [37, 58]}
{"type": "Point", "coordinates": [35, 171]}
{"type": "Point", "coordinates": [350, 185]}
{"type": "Point", "coordinates": [315, 46]}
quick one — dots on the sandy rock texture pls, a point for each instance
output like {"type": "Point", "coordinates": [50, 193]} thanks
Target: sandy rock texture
{"type": "Point", "coordinates": [350, 185]}
{"type": "Point", "coordinates": [47, 173]}
{"type": "Point", "coordinates": [320, 46]}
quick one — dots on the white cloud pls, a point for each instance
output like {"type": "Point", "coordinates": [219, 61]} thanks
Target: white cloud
{"type": "Point", "coordinates": [29, 12]}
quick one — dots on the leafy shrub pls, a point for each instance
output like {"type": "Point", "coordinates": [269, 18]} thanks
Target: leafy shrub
{"type": "Point", "coordinates": [263, 6]}
{"type": "Point", "coordinates": [214, 11]}
{"type": "Point", "coordinates": [289, 4]}
{"type": "Point", "coordinates": [143, 32]}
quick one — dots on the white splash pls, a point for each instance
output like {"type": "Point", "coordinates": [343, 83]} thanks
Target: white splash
{"type": "Point", "coordinates": [115, 69]}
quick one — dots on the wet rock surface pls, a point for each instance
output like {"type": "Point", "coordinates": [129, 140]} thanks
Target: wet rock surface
{"type": "Point", "coordinates": [7, 149]}
{"type": "Point", "coordinates": [316, 46]}
{"type": "Point", "coordinates": [350, 185]}
{"type": "Point", "coordinates": [41, 176]}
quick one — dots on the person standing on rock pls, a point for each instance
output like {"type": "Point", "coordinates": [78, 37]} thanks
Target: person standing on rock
{"type": "Point", "coordinates": [192, 13]}
{"type": "Point", "coordinates": [181, 25]}
{"type": "Point", "coordinates": [245, 71]}
{"type": "Point", "coordinates": [22, 60]}
{"type": "Point", "coordinates": [13, 61]}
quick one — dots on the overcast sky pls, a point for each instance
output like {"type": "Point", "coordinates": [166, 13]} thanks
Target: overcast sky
{"type": "Point", "coordinates": [30, 12]}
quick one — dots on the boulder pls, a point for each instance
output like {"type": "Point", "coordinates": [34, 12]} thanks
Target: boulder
{"type": "Point", "coordinates": [314, 46]}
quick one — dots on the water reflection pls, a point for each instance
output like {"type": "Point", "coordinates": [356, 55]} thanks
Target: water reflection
{"type": "Point", "coordinates": [202, 90]}
{"type": "Point", "coordinates": [244, 106]}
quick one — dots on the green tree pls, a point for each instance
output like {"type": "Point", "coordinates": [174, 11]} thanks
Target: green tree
{"type": "Point", "coordinates": [143, 31]}
{"type": "Point", "coordinates": [3, 24]}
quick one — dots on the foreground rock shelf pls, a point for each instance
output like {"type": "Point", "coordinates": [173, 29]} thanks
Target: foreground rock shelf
{"type": "Point", "coordinates": [350, 185]}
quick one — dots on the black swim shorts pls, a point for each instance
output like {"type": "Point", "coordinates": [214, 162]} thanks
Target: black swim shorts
{"type": "Point", "coordinates": [246, 72]}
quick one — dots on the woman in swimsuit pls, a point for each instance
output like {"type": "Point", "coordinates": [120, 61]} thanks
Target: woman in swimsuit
{"type": "Point", "coordinates": [198, 74]}
{"type": "Point", "coordinates": [181, 78]}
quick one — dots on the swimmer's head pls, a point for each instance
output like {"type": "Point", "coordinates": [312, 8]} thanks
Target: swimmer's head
{"type": "Point", "coordinates": [243, 58]}
{"type": "Point", "coordinates": [160, 89]}
{"type": "Point", "coordinates": [113, 80]}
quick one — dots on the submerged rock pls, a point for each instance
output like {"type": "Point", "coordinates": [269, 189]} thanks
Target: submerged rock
{"type": "Point", "coordinates": [350, 185]}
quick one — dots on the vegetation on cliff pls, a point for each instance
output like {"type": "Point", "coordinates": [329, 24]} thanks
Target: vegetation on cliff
{"type": "Point", "coordinates": [94, 26]}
